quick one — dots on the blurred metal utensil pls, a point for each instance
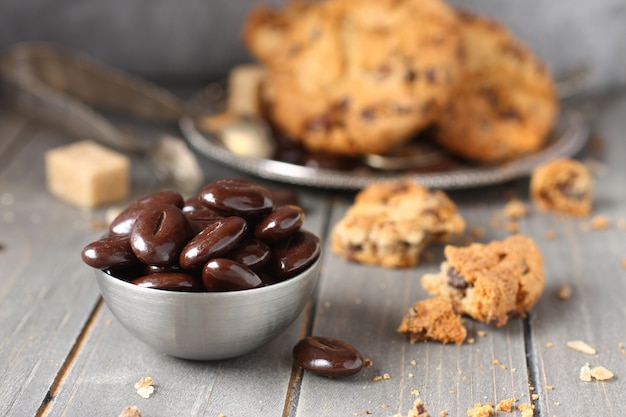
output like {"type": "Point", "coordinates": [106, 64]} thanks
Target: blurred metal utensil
{"type": "Point", "coordinates": [64, 88]}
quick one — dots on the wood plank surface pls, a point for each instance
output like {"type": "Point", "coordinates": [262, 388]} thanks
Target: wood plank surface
{"type": "Point", "coordinates": [592, 262]}
{"type": "Point", "coordinates": [63, 353]}
{"type": "Point", "coordinates": [44, 298]}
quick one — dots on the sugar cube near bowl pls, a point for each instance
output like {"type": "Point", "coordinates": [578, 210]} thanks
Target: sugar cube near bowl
{"type": "Point", "coordinates": [87, 174]}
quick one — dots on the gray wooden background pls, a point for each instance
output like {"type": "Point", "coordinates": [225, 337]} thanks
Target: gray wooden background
{"type": "Point", "coordinates": [196, 40]}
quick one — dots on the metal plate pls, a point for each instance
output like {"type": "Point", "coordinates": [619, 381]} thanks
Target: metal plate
{"type": "Point", "coordinates": [570, 135]}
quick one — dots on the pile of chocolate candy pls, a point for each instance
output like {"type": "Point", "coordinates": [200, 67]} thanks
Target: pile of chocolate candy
{"type": "Point", "coordinates": [232, 236]}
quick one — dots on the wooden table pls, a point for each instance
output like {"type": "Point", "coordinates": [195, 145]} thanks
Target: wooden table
{"type": "Point", "coordinates": [62, 352]}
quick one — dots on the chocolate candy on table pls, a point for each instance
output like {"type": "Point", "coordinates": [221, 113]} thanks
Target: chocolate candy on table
{"type": "Point", "coordinates": [327, 356]}
{"type": "Point", "coordinates": [236, 197]}
{"type": "Point", "coordinates": [294, 254]}
{"type": "Point", "coordinates": [110, 251]}
{"type": "Point", "coordinates": [170, 281]}
{"type": "Point", "coordinates": [124, 221]}
{"type": "Point", "coordinates": [214, 241]}
{"type": "Point", "coordinates": [280, 223]}
{"type": "Point", "coordinates": [159, 234]}
{"type": "Point", "coordinates": [222, 274]}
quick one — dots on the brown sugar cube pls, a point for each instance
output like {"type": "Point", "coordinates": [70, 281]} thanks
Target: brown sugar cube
{"type": "Point", "coordinates": [244, 90]}
{"type": "Point", "coordinates": [87, 174]}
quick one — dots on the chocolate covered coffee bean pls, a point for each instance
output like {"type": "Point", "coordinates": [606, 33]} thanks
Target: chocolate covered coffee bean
{"type": "Point", "coordinates": [214, 241]}
{"type": "Point", "coordinates": [280, 223]}
{"type": "Point", "coordinates": [170, 281]}
{"type": "Point", "coordinates": [223, 274]}
{"type": "Point", "coordinates": [159, 234]}
{"type": "Point", "coordinates": [124, 221]}
{"type": "Point", "coordinates": [236, 197]}
{"type": "Point", "coordinates": [252, 253]}
{"type": "Point", "coordinates": [111, 251]}
{"type": "Point", "coordinates": [294, 254]}
{"type": "Point", "coordinates": [231, 236]}
{"type": "Point", "coordinates": [327, 356]}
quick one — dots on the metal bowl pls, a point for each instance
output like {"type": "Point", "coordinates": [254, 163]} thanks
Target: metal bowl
{"type": "Point", "coordinates": [212, 325]}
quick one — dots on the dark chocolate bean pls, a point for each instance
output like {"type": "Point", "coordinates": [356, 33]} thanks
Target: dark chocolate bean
{"type": "Point", "coordinates": [170, 281]}
{"type": "Point", "coordinates": [159, 234]}
{"type": "Point", "coordinates": [284, 196]}
{"type": "Point", "coordinates": [327, 356]}
{"type": "Point", "coordinates": [122, 224]}
{"type": "Point", "coordinates": [236, 197]}
{"type": "Point", "coordinates": [252, 253]}
{"type": "Point", "coordinates": [294, 254]}
{"type": "Point", "coordinates": [202, 218]}
{"type": "Point", "coordinates": [279, 224]}
{"type": "Point", "coordinates": [110, 252]}
{"type": "Point", "coordinates": [214, 241]}
{"type": "Point", "coordinates": [221, 274]}
{"type": "Point", "coordinates": [192, 204]}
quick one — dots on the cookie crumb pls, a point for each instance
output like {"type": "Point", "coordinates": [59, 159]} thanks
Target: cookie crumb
{"type": "Point", "coordinates": [601, 373]}
{"type": "Point", "coordinates": [526, 409]}
{"type": "Point", "coordinates": [506, 404]}
{"type": "Point", "coordinates": [565, 292]}
{"type": "Point", "coordinates": [377, 378]}
{"type": "Point", "coordinates": [144, 386]}
{"type": "Point", "coordinates": [481, 333]}
{"type": "Point", "coordinates": [480, 410]}
{"type": "Point", "coordinates": [386, 376]}
{"type": "Point", "coordinates": [415, 392]}
{"type": "Point", "coordinates": [549, 345]}
{"type": "Point", "coordinates": [477, 232]}
{"type": "Point", "coordinates": [417, 410]}
{"type": "Point", "coordinates": [585, 373]}
{"type": "Point", "coordinates": [549, 387]}
{"type": "Point", "coordinates": [600, 222]}
{"type": "Point", "coordinates": [549, 235]}
{"type": "Point", "coordinates": [516, 209]}
{"type": "Point", "coordinates": [534, 397]}
{"type": "Point", "coordinates": [367, 363]}
{"type": "Point", "coordinates": [443, 413]}
{"type": "Point", "coordinates": [130, 411]}
{"type": "Point", "coordinates": [581, 346]}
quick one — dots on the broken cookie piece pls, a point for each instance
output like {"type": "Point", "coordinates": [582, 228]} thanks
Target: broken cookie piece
{"type": "Point", "coordinates": [433, 319]}
{"type": "Point", "coordinates": [562, 185]}
{"type": "Point", "coordinates": [391, 223]}
{"type": "Point", "coordinates": [490, 282]}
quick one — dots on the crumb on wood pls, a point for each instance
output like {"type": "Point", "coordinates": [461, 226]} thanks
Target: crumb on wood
{"type": "Point", "coordinates": [506, 404]}
{"type": "Point", "coordinates": [130, 411]}
{"type": "Point", "coordinates": [601, 373]}
{"type": "Point", "coordinates": [480, 410]}
{"type": "Point", "coordinates": [549, 235]}
{"type": "Point", "coordinates": [144, 386]}
{"type": "Point", "coordinates": [516, 209]}
{"type": "Point", "coordinates": [565, 292]}
{"type": "Point", "coordinates": [549, 345]}
{"type": "Point", "coordinates": [526, 409]}
{"type": "Point", "coordinates": [581, 346]}
{"type": "Point", "coordinates": [600, 222]}
{"type": "Point", "coordinates": [621, 224]}
{"type": "Point", "coordinates": [477, 232]}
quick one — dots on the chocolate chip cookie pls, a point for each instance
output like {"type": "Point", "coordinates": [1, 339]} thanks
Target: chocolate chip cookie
{"type": "Point", "coordinates": [490, 282]}
{"type": "Point", "coordinates": [433, 319]}
{"type": "Point", "coordinates": [390, 223]}
{"type": "Point", "coordinates": [562, 185]}
{"type": "Point", "coordinates": [505, 103]}
{"type": "Point", "coordinates": [354, 78]}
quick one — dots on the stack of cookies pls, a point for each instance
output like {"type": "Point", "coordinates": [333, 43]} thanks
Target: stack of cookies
{"type": "Point", "coordinates": [360, 77]}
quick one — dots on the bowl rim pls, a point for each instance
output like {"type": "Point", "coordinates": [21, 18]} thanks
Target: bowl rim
{"type": "Point", "coordinates": [159, 293]}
